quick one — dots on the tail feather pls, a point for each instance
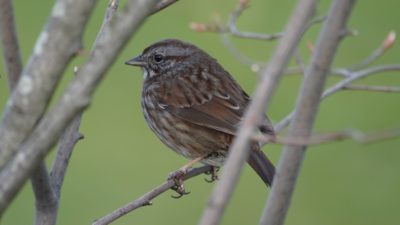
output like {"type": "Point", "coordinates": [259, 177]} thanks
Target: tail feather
{"type": "Point", "coordinates": [263, 167]}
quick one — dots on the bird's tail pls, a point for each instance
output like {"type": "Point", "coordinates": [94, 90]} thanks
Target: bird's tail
{"type": "Point", "coordinates": [261, 164]}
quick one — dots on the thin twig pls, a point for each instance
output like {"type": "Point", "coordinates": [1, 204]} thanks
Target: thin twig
{"type": "Point", "coordinates": [360, 87]}
{"type": "Point", "coordinates": [162, 5]}
{"type": "Point", "coordinates": [362, 138]}
{"type": "Point", "coordinates": [146, 198]}
{"type": "Point", "coordinates": [353, 76]}
{"type": "Point", "coordinates": [66, 145]}
{"type": "Point", "coordinates": [377, 53]}
{"type": "Point", "coordinates": [306, 108]}
{"type": "Point", "coordinates": [270, 79]}
{"type": "Point", "coordinates": [232, 28]}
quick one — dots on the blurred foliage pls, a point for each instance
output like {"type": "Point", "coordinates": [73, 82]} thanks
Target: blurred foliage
{"type": "Point", "coordinates": [120, 159]}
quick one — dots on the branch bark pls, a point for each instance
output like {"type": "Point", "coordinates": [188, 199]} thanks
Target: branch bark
{"type": "Point", "coordinates": [270, 79]}
{"type": "Point", "coordinates": [56, 45]}
{"type": "Point", "coordinates": [9, 40]}
{"type": "Point", "coordinates": [305, 113]}
{"type": "Point", "coordinates": [75, 99]}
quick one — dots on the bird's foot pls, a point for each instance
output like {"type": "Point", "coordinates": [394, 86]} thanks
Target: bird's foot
{"type": "Point", "coordinates": [177, 177]}
{"type": "Point", "coordinates": [213, 172]}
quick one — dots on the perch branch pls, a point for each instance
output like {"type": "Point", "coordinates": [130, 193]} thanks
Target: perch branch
{"type": "Point", "coordinates": [146, 198]}
{"type": "Point", "coordinates": [305, 113]}
{"type": "Point", "coordinates": [270, 79]}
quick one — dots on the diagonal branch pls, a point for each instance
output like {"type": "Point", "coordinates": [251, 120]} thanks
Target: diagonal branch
{"type": "Point", "coordinates": [305, 113]}
{"type": "Point", "coordinates": [75, 99]}
{"type": "Point", "coordinates": [46, 201]}
{"type": "Point", "coordinates": [353, 76]}
{"type": "Point", "coordinates": [56, 45]}
{"type": "Point", "coordinates": [146, 198]}
{"type": "Point", "coordinates": [162, 5]}
{"type": "Point", "coordinates": [270, 79]}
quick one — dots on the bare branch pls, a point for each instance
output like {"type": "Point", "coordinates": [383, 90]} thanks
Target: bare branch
{"type": "Point", "coordinates": [46, 201]}
{"type": "Point", "coordinates": [45, 197]}
{"type": "Point", "coordinates": [146, 198]}
{"type": "Point", "coordinates": [270, 79]}
{"type": "Point", "coordinates": [9, 40]}
{"type": "Point", "coordinates": [75, 99]}
{"type": "Point", "coordinates": [232, 28]}
{"type": "Point", "coordinates": [352, 76]}
{"type": "Point", "coordinates": [372, 88]}
{"type": "Point", "coordinates": [64, 151]}
{"type": "Point", "coordinates": [377, 53]}
{"type": "Point", "coordinates": [317, 139]}
{"type": "Point", "coordinates": [162, 5]}
{"type": "Point", "coordinates": [305, 113]}
{"type": "Point", "coordinates": [56, 45]}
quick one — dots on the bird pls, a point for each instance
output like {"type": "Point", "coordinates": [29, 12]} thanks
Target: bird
{"type": "Point", "coordinates": [194, 106]}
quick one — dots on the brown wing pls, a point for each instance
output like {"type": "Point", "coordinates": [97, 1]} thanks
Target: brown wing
{"type": "Point", "coordinates": [207, 101]}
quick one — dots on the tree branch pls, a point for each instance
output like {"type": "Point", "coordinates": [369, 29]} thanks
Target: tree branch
{"type": "Point", "coordinates": [75, 99]}
{"type": "Point", "coordinates": [270, 79]}
{"type": "Point", "coordinates": [162, 5]}
{"type": "Point", "coordinates": [45, 197]}
{"type": "Point", "coordinates": [351, 77]}
{"type": "Point", "coordinates": [360, 87]}
{"type": "Point", "coordinates": [317, 139]}
{"type": "Point", "coordinates": [146, 198]}
{"type": "Point", "coordinates": [46, 202]}
{"type": "Point", "coordinates": [305, 113]}
{"type": "Point", "coordinates": [232, 28]}
{"type": "Point", "coordinates": [56, 45]}
{"type": "Point", "coordinates": [9, 40]}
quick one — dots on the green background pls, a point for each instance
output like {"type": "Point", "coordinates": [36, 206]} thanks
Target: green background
{"type": "Point", "coordinates": [120, 159]}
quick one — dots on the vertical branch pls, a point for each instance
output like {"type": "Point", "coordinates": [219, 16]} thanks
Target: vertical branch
{"type": "Point", "coordinates": [305, 113]}
{"type": "Point", "coordinates": [9, 40]}
{"type": "Point", "coordinates": [46, 202]}
{"type": "Point", "coordinates": [45, 199]}
{"type": "Point", "coordinates": [270, 79]}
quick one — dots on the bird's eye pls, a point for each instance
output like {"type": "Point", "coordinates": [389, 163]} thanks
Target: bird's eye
{"type": "Point", "coordinates": [158, 58]}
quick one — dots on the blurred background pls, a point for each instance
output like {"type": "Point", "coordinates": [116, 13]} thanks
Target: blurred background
{"type": "Point", "coordinates": [120, 159]}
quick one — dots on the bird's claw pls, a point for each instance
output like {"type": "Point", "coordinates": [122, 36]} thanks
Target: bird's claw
{"type": "Point", "coordinates": [177, 177]}
{"type": "Point", "coordinates": [213, 172]}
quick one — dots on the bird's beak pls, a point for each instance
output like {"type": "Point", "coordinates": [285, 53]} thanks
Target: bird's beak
{"type": "Point", "coordinates": [137, 61]}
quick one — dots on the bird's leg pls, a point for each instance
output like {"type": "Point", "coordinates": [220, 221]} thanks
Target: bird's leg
{"type": "Point", "coordinates": [213, 172]}
{"type": "Point", "coordinates": [178, 176]}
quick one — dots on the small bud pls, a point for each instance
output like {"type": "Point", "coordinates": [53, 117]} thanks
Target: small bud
{"type": "Point", "coordinates": [389, 41]}
{"type": "Point", "coordinates": [199, 27]}
{"type": "Point", "coordinates": [75, 70]}
{"type": "Point", "coordinates": [255, 68]}
{"type": "Point", "coordinates": [310, 46]}
{"type": "Point", "coordinates": [244, 3]}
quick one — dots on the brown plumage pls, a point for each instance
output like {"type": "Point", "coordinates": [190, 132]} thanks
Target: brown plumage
{"type": "Point", "coordinates": [194, 106]}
